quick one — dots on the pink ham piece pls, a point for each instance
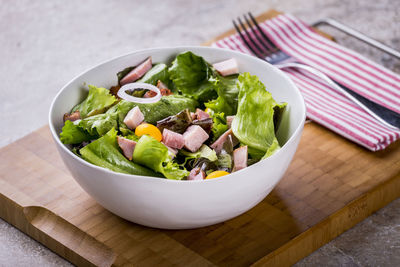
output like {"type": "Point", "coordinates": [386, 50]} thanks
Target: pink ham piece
{"type": "Point", "coordinates": [172, 139]}
{"type": "Point", "coordinates": [127, 146]}
{"type": "Point", "coordinates": [194, 137]}
{"type": "Point", "coordinates": [137, 72]}
{"type": "Point", "coordinates": [227, 67]}
{"type": "Point", "coordinates": [201, 115]}
{"type": "Point", "coordinates": [73, 116]}
{"type": "Point", "coordinates": [240, 158]}
{"type": "Point", "coordinates": [171, 151]}
{"type": "Point", "coordinates": [196, 174]}
{"type": "Point", "coordinates": [134, 118]}
{"type": "Point", "coordinates": [219, 143]}
{"type": "Point", "coordinates": [229, 120]}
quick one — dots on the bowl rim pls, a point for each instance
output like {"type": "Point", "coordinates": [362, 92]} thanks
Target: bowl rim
{"type": "Point", "coordinates": [150, 178]}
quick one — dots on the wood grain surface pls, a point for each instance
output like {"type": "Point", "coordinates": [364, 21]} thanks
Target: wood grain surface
{"type": "Point", "coordinates": [331, 185]}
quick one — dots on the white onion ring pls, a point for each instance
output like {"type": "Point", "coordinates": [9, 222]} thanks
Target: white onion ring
{"type": "Point", "coordinates": [132, 86]}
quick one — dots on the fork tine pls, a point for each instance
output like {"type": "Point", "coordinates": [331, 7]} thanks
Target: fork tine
{"type": "Point", "coordinates": [243, 38]}
{"type": "Point", "coordinates": [248, 34]}
{"type": "Point", "coordinates": [269, 49]}
{"type": "Point", "coordinates": [262, 32]}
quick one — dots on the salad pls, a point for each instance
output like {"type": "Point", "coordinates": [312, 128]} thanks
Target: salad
{"type": "Point", "coordinates": [190, 120]}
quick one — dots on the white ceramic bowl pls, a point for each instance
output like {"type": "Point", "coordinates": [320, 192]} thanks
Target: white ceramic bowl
{"type": "Point", "coordinates": [174, 204]}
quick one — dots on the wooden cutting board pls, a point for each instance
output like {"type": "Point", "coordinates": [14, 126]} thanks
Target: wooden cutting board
{"type": "Point", "coordinates": [331, 185]}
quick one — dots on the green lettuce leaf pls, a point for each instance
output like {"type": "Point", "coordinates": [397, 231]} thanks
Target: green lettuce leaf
{"type": "Point", "coordinates": [172, 170]}
{"type": "Point", "coordinates": [99, 125]}
{"type": "Point", "coordinates": [254, 121]}
{"type": "Point", "coordinates": [278, 113]}
{"type": "Point", "coordinates": [153, 154]}
{"type": "Point", "coordinates": [132, 137]}
{"type": "Point", "coordinates": [193, 76]}
{"type": "Point", "coordinates": [88, 129]}
{"type": "Point", "coordinates": [272, 149]}
{"type": "Point", "coordinates": [203, 152]}
{"type": "Point", "coordinates": [137, 92]}
{"type": "Point", "coordinates": [219, 125]}
{"type": "Point", "coordinates": [158, 72]}
{"type": "Point", "coordinates": [227, 100]}
{"type": "Point", "coordinates": [104, 152]}
{"type": "Point", "coordinates": [72, 134]}
{"type": "Point", "coordinates": [167, 106]}
{"type": "Point", "coordinates": [97, 101]}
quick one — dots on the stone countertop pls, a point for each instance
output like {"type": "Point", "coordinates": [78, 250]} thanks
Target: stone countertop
{"type": "Point", "coordinates": [43, 44]}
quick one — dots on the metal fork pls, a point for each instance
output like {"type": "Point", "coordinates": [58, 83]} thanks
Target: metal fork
{"type": "Point", "coordinates": [268, 51]}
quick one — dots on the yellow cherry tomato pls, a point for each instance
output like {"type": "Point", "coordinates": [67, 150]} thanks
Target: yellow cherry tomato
{"type": "Point", "coordinates": [148, 129]}
{"type": "Point", "coordinates": [216, 174]}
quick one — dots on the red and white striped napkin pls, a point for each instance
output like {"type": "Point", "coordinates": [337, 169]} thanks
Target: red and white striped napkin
{"type": "Point", "coordinates": [325, 105]}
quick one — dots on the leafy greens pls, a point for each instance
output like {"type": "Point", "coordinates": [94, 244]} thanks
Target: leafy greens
{"type": "Point", "coordinates": [167, 106]}
{"type": "Point", "coordinates": [74, 134]}
{"type": "Point", "coordinates": [158, 72]}
{"type": "Point", "coordinates": [193, 76]}
{"type": "Point", "coordinates": [203, 152]}
{"type": "Point", "coordinates": [153, 154]}
{"type": "Point", "coordinates": [219, 125]}
{"type": "Point", "coordinates": [104, 152]}
{"type": "Point", "coordinates": [227, 96]}
{"type": "Point", "coordinates": [254, 121]}
{"type": "Point", "coordinates": [97, 101]}
{"type": "Point", "coordinates": [87, 129]}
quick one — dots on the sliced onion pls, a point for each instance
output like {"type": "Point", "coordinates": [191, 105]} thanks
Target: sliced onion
{"type": "Point", "coordinates": [132, 86]}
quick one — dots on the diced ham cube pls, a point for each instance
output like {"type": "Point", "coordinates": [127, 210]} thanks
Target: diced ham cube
{"type": "Point", "coordinates": [240, 158]}
{"type": "Point", "coordinates": [171, 151]}
{"type": "Point", "coordinates": [137, 72]}
{"type": "Point", "coordinates": [127, 146]}
{"type": "Point", "coordinates": [229, 120]}
{"type": "Point", "coordinates": [201, 115]}
{"type": "Point", "coordinates": [73, 116]}
{"type": "Point", "coordinates": [172, 139]}
{"type": "Point", "coordinates": [227, 67]}
{"type": "Point", "coordinates": [194, 137]}
{"type": "Point", "coordinates": [134, 118]}
{"type": "Point", "coordinates": [196, 174]}
{"type": "Point", "coordinates": [219, 143]}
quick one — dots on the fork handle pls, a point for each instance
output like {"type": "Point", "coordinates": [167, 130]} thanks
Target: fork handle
{"type": "Point", "coordinates": [332, 84]}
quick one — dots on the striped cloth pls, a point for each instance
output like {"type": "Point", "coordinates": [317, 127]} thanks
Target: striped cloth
{"type": "Point", "coordinates": [325, 105]}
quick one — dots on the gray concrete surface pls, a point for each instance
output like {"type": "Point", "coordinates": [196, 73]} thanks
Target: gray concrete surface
{"type": "Point", "coordinates": [43, 44]}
